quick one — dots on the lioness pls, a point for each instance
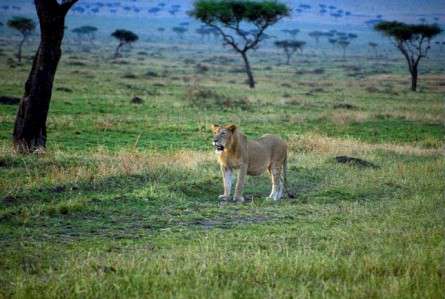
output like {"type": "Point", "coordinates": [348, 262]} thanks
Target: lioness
{"type": "Point", "coordinates": [251, 157]}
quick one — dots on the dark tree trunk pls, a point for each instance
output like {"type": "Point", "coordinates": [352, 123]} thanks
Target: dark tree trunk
{"type": "Point", "coordinates": [414, 74]}
{"type": "Point", "coordinates": [19, 50]}
{"type": "Point", "coordinates": [288, 56]}
{"type": "Point", "coordinates": [250, 78]}
{"type": "Point", "coordinates": [30, 125]}
{"type": "Point", "coordinates": [117, 53]}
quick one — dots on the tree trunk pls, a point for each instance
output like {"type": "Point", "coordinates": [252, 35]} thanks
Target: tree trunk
{"type": "Point", "coordinates": [414, 74]}
{"type": "Point", "coordinates": [287, 57]}
{"type": "Point", "coordinates": [250, 78]}
{"type": "Point", "coordinates": [117, 53]}
{"type": "Point", "coordinates": [19, 50]}
{"type": "Point", "coordinates": [30, 125]}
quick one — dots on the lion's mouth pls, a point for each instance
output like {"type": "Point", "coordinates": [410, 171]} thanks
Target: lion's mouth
{"type": "Point", "coordinates": [219, 147]}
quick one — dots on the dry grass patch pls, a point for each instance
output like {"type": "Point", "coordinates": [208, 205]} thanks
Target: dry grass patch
{"type": "Point", "coordinates": [338, 146]}
{"type": "Point", "coordinates": [135, 161]}
{"type": "Point", "coordinates": [343, 117]}
{"type": "Point", "coordinates": [52, 167]}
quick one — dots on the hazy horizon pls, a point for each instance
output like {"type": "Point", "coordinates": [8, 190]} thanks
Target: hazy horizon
{"type": "Point", "coordinates": [304, 12]}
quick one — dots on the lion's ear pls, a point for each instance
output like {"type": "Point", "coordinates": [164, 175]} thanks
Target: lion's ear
{"type": "Point", "coordinates": [214, 127]}
{"type": "Point", "coordinates": [231, 128]}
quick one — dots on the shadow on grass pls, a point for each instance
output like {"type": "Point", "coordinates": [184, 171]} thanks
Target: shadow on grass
{"type": "Point", "coordinates": [133, 207]}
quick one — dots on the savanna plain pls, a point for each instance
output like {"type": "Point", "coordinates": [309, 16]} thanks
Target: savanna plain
{"type": "Point", "coordinates": [123, 203]}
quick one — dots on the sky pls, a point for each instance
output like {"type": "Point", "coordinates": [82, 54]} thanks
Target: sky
{"type": "Point", "coordinates": [303, 11]}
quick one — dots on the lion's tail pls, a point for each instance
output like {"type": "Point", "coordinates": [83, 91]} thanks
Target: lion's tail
{"type": "Point", "coordinates": [286, 187]}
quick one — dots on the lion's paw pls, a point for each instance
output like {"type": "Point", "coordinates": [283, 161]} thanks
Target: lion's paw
{"type": "Point", "coordinates": [224, 198]}
{"type": "Point", "coordinates": [239, 198]}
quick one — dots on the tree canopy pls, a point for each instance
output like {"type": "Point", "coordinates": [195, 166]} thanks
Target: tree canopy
{"type": "Point", "coordinates": [85, 30]}
{"type": "Point", "coordinates": [297, 44]}
{"type": "Point", "coordinates": [402, 32]}
{"type": "Point", "coordinates": [25, 25]}
{"type": "Point", "coordinates": [233, 12]}
{"type": "Point", "coordinates": [125, 36]}
{"type": "Point", "coordinates": [292, 32]}
{"type": "Point", "coordinates": [290, 47]}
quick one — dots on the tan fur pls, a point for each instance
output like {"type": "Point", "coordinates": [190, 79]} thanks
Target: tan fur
{"type": "Point", "coordinates": [251, 157]}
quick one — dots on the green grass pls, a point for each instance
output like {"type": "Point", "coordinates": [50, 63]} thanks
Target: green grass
{"type": "Point", "coordinates": [124, 201]}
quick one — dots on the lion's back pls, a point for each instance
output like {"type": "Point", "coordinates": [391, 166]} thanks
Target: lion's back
{"type": "Point", "coordinates": [273, 146]}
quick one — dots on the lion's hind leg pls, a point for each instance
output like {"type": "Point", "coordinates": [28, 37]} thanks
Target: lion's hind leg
{"type": "Point", "coordinates": [277, 183]}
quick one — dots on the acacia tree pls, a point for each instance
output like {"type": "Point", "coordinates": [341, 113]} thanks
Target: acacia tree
{"type": "Point", "coordinates": [87, 32]}
{"type": "Point", "coordinates": [26, 27]}
{"type": "Point", "coordinates": [203, 32]}
{"type": "Point", "coordinates": [125, 37]}
{"type": "Point", "coordinates": [30, 124]}
{"type": "Point", "coordinates": [373, 46]}
{"type": "Point", "coordinates": [180, 31]}
{"type": "Point", "coordinates": [333, 42]}
{"type": "Point", "coordinates": [343, 43]}
{"type": "Point", "coordinates": [228, 17]}
{"type": "Point", "coordinates": [290, 47]}
{"type": "Point", "coordinates": [413, 41]}
{"type": "Point", "coordinates": [316, 35]}
{"type": "Point", "coordinates": [291, 32]}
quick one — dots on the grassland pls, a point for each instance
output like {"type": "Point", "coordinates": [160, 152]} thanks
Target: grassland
{"type": "Point", "coordinates": [124, 201]}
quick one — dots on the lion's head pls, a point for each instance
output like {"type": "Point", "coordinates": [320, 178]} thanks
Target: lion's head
{"type": "Point", "coordinates": [222, 136]}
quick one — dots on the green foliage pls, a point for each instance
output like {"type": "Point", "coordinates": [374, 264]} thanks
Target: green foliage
{"type": "Point", "coordinates": [292, 44]}
{"type": "Point", "coordinates": [85, 30]}
{"type": "Point", "coordinates": [25, 25]}
{"type": "Point", "coordinates": [229, 12]}
{"type": "Point", "coordinates": [343, 43]}
{"type": "Point", "coordinates": [315, 34]}
{"type": "Point", "coordinates": [179, 30]}
{"type": "Point", "coordinates": [406, 32]}
{"type": "Point", "coordinates": [125, 36]}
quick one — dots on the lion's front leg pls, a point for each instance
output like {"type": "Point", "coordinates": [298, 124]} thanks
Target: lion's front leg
{"type": "Point", "coordinates": [227, 181]}
{"type": "Point", "coordinates": [240, 183]}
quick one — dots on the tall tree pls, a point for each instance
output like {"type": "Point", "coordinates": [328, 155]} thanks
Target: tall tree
{"type": "Point", "coordinates": [373, 46]}
{"type": "Point", "coordinates": [180, 31]}
{"type": "Point", "coordinates": [26, 27]}
{"type": "Point", "coordinates": [343, 43]}
{"type": "Point", "coordinates": [316, 35]}
{"type": "Point", "coordinates": [229, 16]}
{"type": "Point", "coordinates": [124, 37]}
{"type": "Point", "coordinates": [30, 125]}
{"type": "Point", "coordinates": [333, 42]}
{"type": "Point", "coordinates": [290, 47]}
{"type": "Point", "coordinates": [412, 40]}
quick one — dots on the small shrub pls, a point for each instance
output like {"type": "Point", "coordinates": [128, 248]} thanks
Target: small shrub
{"type": "Point", "coordinates": [202, 68]}
{"type": "Point", "coordinates": [129, 76]}
{"type": "Point", "coordinates": [151, 74]}
{"type": "Point", "coordinates": [137, 100]}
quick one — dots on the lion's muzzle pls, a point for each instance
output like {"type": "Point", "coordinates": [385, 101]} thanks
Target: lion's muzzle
{"type": "Point", "coordinates": [219, 147]}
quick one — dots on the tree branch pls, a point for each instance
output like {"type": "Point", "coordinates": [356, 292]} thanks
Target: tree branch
{"type": "Point", "coordinates": [405, 53]}
{"type": "Point", "coordinates": [227, 38]}
{"type": "Point", "coordinates": [257, 37]}
{"type": "Point", "coordinates": [67, 4]}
